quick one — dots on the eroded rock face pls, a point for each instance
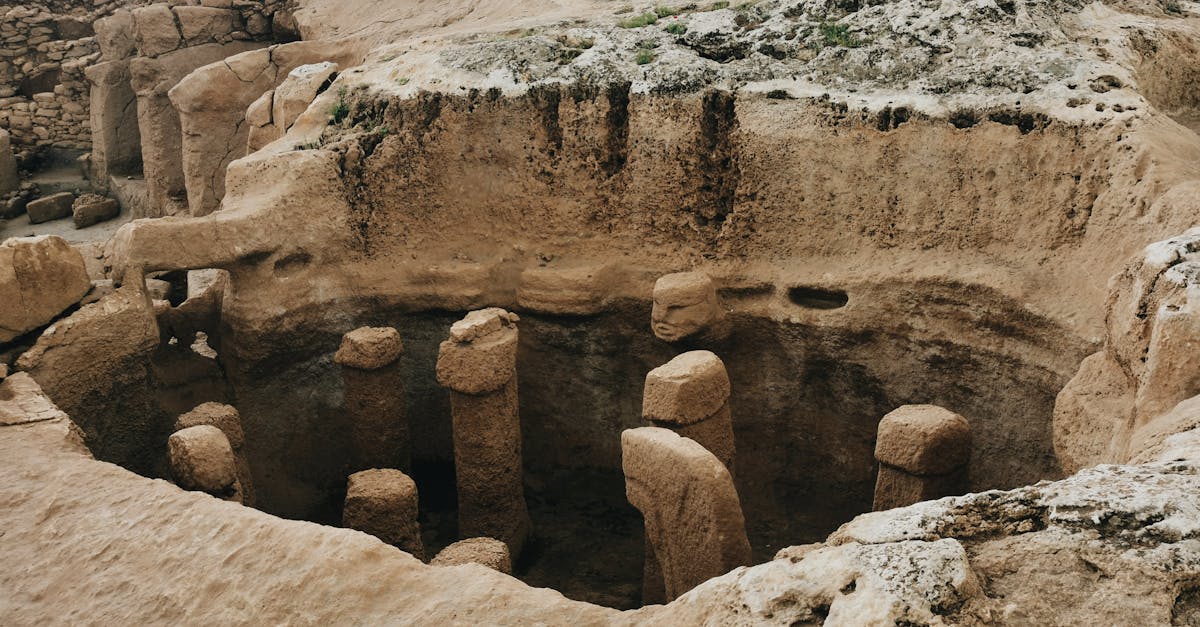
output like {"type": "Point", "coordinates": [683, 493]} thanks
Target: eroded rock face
{"type": "Point", "coordinates": [9, 180]}
{"type": "Point", "coordinates": [103, 351]}
{"type": "Point", "coordinates": [39, 278]}
{"type": "Point", "coordinates": [1145, 370]}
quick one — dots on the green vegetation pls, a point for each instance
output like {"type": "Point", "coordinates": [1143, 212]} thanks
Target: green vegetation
{"type": "Point", "coordinates": [834, 34]}
{"type": "Point", "coordinates": [662, 11]}
{"type": "Point", "coordinates": [309, 146]}
{"type": "Point", "coordinates": [638, 21]}
{"type": "Point", "coordinates": [340, 109]}
{"type": "Point", "coordinates": [403, 80]}
{"type": "Point", "coordinates": [1173, 6]}
{"type": "Point", "coordinates": [716, 6]}
{"type": "Point", "coordinates": [644, 56]}
{"type": "Point", "coordinates": [676, 28]}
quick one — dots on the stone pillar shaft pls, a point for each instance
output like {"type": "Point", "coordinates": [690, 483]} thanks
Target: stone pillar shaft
{"type": "Point", "coordinates": [478, 365]}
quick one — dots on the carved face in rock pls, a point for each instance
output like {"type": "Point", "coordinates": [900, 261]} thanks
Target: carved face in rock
{"type": "Point", "coordinates": [685, 306]}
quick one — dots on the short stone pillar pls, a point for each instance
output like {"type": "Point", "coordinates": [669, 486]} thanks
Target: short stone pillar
{"type": "Point", "coordinates": [486, 551]}
{"type": "Point", "coordinates": [690, 396]}
{"type": "Point", "coordinates": [373, 397]}
{"type": "Point", "coordinates": [202, 459]}
{"type": "Point", "coordinates": [383, 503]}
{"type": "Point", "coordinates": [686, 308]}
{"type": "Point", "coordinates": [479, 366]}
{"type": "Point", "coordinates": [923, 451]}
{"type": "Point", "coordinates": [691, 509]}
{"type": "Point", "coordinates": [229, 421]}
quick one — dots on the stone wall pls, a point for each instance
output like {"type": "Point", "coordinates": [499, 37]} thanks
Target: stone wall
{"type": "Point", "coordinates": [45, 48]}
{"type": "Point", "coordinates": [43, 93]}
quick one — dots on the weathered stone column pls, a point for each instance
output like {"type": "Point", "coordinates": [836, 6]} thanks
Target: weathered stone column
{"type": "Point", "coordinates": [202, 459]}
{"type": "Point", "coordinates": [229, 421]}
{"type": "Point", "coordinates": [690, 396]}
{"type": "Point", "coordinates": [383, 503]}
{"type": "Point", "coordinates": [686, 495]}
{"type": "Point", "coordinates": [479, 365]}
{"type": "Point", "coordinates": [373, 397]}
{"type": "Point", "coordinates": [922, 452]}
{"type": "Point", "coordinates": [485, 551]}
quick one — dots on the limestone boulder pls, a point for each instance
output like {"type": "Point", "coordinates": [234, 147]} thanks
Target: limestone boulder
{"type": "Point", "coordinates": [203, 24]}
{"type": "Point", "coordinates": [1092, 414]}
{"type": "Point", "coordinates": [40, 277]}
{"type": "Point", "coordinates": [298, 90]}
{"type": "Point", "coordinates": [201, 459]}
{"type": "Point", "coordinates": [91, 209]}
{"type": "Point", "coordinates": [104, 350]}
{"type": "Point", "coordinates": [52, 207]}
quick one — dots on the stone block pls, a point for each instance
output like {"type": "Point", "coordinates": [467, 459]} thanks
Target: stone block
{"type": "Point", "coordinates": [40, 277]}
{"type": "Point", "coordinates": [91, 209]}
{"type": "Point", "coordinates": [369, 348]}
{"type": "Point", "coordinates": [202, 459]}
{"type": "Point", "coordinates": [49, 208]}
{"type": "Point", "coordinates": [383, 503]}
{"type": "Point", "coordinates": [154, 30]}
{"type": "Point", "coordinates": [484, 551]}
{"type": "Point", "coordinates": [687, 389]}
{"type": "Point", "coordinates": [219, 415]}
{"type": "Point", "coordinates": [923, 440]}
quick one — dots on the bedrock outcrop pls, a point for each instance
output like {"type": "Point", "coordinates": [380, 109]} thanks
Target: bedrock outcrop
{"type": "Point", "coordinates": [1110, 545]}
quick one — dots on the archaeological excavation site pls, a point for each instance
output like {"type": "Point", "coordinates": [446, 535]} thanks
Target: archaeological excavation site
{"type": "Point", "coordinates": [598, 312]}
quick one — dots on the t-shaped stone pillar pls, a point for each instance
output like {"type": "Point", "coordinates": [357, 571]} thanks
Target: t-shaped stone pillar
{"type": "Point", "coordinates": [373, 397]}
{"type": "Point", "coordinates": [479, 366]}
{"type": "Point", "coordinates": [693, 516]}
{"type": "Point", "coordinates": [690, 396]}
{"type": "Point", "coordinates": [383, 503]}
{"type": "Point", "coordinates": [923, 451]}
{"type": "Point", "coordinates": [202, 459]}
{"type": "Point", "coordinates": [229, 421]}
{"type": "Point", "coordinates": [686, 307]}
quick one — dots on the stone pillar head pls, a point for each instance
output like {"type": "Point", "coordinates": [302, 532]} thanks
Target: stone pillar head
{"type": "Point", "coordinates": [686, 307]}
{"type": "Point", "coordinates": [369, 348]}
{"type": "Point", "coordinates": [481, 354]}
{"type": "Point", "coordinates": [688, 389]}
{"type": "Point", "coordinates": [924, 440]}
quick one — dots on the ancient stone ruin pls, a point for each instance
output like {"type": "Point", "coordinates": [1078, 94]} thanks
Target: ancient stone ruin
{"type": "Point", "coordinates": [782, 312]}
